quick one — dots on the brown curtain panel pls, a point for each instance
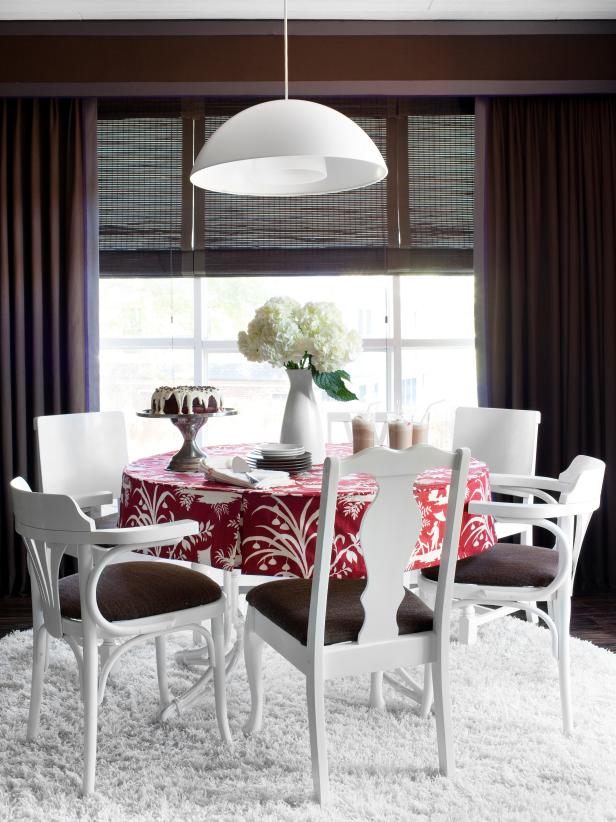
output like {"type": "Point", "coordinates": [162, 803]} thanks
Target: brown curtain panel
{"type": "Point", "coordinates": [546, 308]}
{"type": "Point", "coordinates": [45, 245]}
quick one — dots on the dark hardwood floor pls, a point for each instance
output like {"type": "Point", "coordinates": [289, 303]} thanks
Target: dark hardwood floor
{"type": "Point", "coordinates": [593, 618]}
{"type": "Point", "coordinates": [15, 615]}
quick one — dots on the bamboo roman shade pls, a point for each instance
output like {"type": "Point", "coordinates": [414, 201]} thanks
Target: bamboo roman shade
{"type": "Point", "coordinates": [441, 186]}
{"type": "Point", "coordinates": [140, 188]}
{"type": "Point", "coordinates": [154, 223]}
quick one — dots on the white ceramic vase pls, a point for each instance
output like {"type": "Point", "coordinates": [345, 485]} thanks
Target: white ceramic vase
{"type": "Point", "coordinates": [301, 423]}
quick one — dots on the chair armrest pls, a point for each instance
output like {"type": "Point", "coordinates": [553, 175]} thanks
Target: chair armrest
{"type": "Point", "coordinates": [523, 492]}
{"type": "Point", "coordinates": [528, 481]}
{"type": "Point", "coordinates": [530, 512]}
{"type": "Point", "coordinates": [121, 541]}
{"type": "Point", "coordinates": [94, 498]}
{"type": "Point", "coordinates": [163, 533]}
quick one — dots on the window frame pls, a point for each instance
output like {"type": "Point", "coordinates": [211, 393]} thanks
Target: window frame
{"type": "Point", "coordinates": [392, 346]}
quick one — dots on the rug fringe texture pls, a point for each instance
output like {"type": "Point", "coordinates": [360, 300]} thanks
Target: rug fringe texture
{"type": "Point", "coordinates": [513, 762]}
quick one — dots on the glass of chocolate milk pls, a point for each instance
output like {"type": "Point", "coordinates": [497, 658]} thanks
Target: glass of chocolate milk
{"type": "Point", "coordinates": [400, 431]}
{"type": "Point", "coordinates": [363, 432]}
{"type": "Point", "coordinates": [420, 432]}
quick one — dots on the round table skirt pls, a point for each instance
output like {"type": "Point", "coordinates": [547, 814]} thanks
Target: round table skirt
{"type": "Point", "coordinates": [274, 532]}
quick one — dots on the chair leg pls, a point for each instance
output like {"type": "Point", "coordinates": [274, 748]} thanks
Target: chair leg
{"type": "Point", "coordinates": [220, 688]}
{"type": "Point", "coordinates": [161, 670]}
{"type": "Point", "coordinates": [530, 617]}
{"type": "Point", "coordinates": [318, 739]}
{"type": "Point", "coordinates": [253, 653]}
{"type": "Point", "coordinates": [105, 650]}
{"type": "Point", "coordinates": [40, 642]}
{"type": "Point", "coordinates": [467, 633]}
{"type": "Point", "coordinates": [377, 700]}
{"type": "Point", "coordinates": [426, 591]}
{"type": "Point", "coordinates": [39, 655]}
{"type": "Point", "coordinates": [562, 610]}
{"type": "Point", "coordinates": [46, 664]}
{"type": "Point", "coordinates": [442, 709]}
{"type": "Point", "coordinates": [428, 692]}
{"type": "Point", "coordinates": [90, 707]}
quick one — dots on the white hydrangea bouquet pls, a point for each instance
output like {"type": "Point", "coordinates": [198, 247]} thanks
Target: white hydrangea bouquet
{"type": "Point", "coordinates": [287, 334]}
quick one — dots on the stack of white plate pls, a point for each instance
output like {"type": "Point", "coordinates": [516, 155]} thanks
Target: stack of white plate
{"type": "Point", "coordinates": [280, 456]}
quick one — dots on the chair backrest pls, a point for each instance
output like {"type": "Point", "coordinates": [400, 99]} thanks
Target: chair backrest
{"type": "Point", "coordinates": [388, 534]}
{"type": "Point", "coordinates": [82, 453]}
{"type": "Point", "coordinates": [505, 439]}
{"type": "Point", "coordinates": [48, 524]}
{"type": "Point", "coordinates": [345, 417]}
{"type": "Point", "coordinates": [585, 480]}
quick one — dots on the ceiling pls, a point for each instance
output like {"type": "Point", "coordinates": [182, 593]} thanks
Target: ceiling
{"type": "Point", "coordinates": [308, 9]}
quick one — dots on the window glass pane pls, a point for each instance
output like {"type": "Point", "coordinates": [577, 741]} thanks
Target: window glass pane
{"type": "Point", "coordinates": [128, 376]}
{"type": "Point", "coordinates": [369, 381]}
{"type": "Point", "coordinates": [363, 301]}
{"type": "Point", "coordinates": [257, 390]}
{"type": "Point", "coordinates": [445, 376]}
{"type": "Point", "coordinates": [139, 307]}
{"type": "Point", "coordinates": [437, 307]}
{"type": "Point", "coordinates": [259, 393]}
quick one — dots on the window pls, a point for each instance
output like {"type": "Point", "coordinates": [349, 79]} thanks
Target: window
{"type": "Point", "coordinates": [418, 348]}
{"type": "Point", "coordinates": [401, 251]}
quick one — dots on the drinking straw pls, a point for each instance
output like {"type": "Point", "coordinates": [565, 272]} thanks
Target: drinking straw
{"type": "Point", "coordinates": [427, 411]}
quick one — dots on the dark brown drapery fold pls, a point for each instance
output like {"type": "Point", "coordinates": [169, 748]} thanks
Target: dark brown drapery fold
{"type": "Point", "coordinates": [45, 245]}
{"type": "Point", "coordinates": [546, 315]}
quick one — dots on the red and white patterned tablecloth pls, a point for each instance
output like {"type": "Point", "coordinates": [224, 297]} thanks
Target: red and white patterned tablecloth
{"type": "Point", "coordinates": [274, 532]}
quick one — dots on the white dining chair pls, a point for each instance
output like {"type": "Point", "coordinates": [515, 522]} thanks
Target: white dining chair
{"type": "Point", "coordinates": [83, 455]}
{"type": "Point", "coordinates": [330, 628]}
{"type": "Point", "coordinates": [505, 439]}
{"type": "Point", "coordinates": [106, 601]}
{"type": "Point", "coordinates": [515, 577]}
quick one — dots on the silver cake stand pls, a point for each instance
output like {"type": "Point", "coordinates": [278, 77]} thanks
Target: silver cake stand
{"type": "Point", "coordinates": [188, 457]}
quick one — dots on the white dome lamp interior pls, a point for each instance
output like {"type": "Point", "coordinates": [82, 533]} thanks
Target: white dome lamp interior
{"type": "Point", "coordinates": [288, 148]}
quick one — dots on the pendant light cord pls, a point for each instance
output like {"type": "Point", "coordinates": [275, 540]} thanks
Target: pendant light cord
{"type": "Point", "coordinates": [286, 54]}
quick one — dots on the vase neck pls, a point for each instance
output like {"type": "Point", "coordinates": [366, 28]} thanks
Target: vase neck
{"type": "Point", "coordinates": [300, 378]}
{"type": "Point", "coordinates": [299, 374]}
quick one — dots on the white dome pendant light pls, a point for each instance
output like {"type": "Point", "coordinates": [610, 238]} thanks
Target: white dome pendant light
{"type": "Point", "coordinates": [288, 148]}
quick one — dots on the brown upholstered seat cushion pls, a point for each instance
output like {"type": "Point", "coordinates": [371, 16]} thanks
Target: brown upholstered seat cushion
{"type": "Point", "coordinates": [133, 590]}
{"type": "Point", "coordinates": [287, 603]}
{"type": "Point", "coordinates": [506, 565]}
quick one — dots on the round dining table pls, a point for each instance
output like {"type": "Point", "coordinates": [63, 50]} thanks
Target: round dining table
{"type": "Point", "coordinates": [272, 532]}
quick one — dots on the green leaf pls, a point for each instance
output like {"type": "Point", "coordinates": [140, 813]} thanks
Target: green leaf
{"type": "Point", "coordinates": [333, 385]}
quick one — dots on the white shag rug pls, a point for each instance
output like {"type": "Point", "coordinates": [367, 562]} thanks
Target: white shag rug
{"type": "Point", "coordinates": [513, 762]}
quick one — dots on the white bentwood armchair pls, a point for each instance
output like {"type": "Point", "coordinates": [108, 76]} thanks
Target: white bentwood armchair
{"type": "Point", "coordinates": [331, 628]}
{"type": "Point", "coordinates": [516, 577]}
{"type": "Point", "coordinates": [107, 600]}
{"type": "Point", "coordinates": [83, 455]}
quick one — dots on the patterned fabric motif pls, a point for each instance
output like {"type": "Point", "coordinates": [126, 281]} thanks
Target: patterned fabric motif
{"type": "Point", "coordinates": [274, 532]}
